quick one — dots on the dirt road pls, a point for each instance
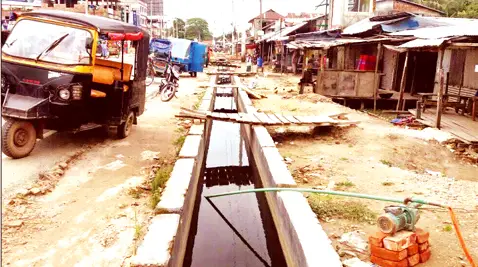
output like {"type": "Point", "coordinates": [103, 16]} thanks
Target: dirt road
{"type": "Point", "coordinates": [375, 158]}
{"type": "Point", "coordinates": [92, 217]}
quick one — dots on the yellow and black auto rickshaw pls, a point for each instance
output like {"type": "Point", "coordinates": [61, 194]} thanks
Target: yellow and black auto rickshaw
{"type": "Point", "coordinates": [52, 79]}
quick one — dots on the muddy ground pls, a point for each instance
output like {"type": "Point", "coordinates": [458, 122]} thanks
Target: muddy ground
{"type": "Point", "coordinates": [375, 158]}
{"type": "Point", "coordinates": [89, 203]}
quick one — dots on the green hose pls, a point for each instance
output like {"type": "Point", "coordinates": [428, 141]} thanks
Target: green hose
{"type": "Point", "coordinates": [326, 192]}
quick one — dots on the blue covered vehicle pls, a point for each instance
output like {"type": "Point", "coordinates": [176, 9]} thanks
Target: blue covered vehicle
{"type": "Point", "coordinates": [160, 51]}
{"type": "Point", "coordinates": [189, 55]}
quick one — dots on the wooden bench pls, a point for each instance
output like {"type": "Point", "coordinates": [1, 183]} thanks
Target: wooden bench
{"type": "Point", "coordinates": [425, 100]}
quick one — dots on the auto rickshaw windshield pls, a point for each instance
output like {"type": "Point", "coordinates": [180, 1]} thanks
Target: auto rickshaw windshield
{"type": "Point", "coordinates": [49, 42]}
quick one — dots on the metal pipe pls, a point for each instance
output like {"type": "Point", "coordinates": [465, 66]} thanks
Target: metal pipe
{"type": "Point", "coordinates": [326, 192]}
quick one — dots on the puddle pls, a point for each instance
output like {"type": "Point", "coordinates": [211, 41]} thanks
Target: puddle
{"type": "Point", "coordinates": [232, 230]}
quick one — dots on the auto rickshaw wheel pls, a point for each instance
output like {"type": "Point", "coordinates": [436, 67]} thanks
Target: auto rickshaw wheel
{"type": "Point", "coordinates": [18, 138]}
{"type": "Point", "coordinates": [125, 128]}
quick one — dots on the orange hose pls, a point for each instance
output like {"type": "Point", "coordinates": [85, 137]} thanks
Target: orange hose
{"type": "Point", "coordinates": [460, 237]}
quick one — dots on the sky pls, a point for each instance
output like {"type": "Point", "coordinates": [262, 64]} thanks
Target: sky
{"type": "Point", "coordinates": [219, 15]}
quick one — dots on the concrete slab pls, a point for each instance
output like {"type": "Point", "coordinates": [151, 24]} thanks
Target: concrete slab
{"type": "Point", "coordinates": [155, 249]}
{"type": "Point", "coordinates": [245, 99]}
{"type": "Point", "coordinates": [172, 198]}
{"type": "Point", "coordinates": [190, 147]}
{"type": "Point", "coordinates": [196, 129]}
{"type": "Point", "coordinates": [279, 172]}
{"type": "Point", "coordinates": [263, 137]}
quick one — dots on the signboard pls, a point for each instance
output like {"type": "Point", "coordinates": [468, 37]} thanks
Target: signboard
{"type": "Point", "coordinates": [135, 18]}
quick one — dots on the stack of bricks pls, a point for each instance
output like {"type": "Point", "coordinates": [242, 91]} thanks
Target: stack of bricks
{"type": "Point", "coordinates": [402, 249]}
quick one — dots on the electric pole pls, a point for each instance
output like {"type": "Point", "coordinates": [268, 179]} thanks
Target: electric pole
{"type": "Point", "coordinates": [233, 39]}
{"type": "Point", "coordinates": [260, 28]}
{"type": "Point", "coordinates": [151, 16]}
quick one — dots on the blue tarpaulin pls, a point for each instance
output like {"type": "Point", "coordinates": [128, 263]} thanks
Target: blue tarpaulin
{"type": "Point", "coordinates": [408, 24]}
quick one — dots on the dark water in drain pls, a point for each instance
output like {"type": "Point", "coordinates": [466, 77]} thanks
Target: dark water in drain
{"type": "Point", "coordinates": [232, 230]}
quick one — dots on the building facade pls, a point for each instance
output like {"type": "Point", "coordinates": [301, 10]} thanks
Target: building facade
{"type": "Point", "coordinates": [135, 11]}
{"type": "Point", "coordinates": [386, 7]}
{"type": "Point", "coordinates": [347, 12]}
{"type": "Point", "coordinates": [155, 7]}
{"type": "Point", "coordinates": [268, 18]}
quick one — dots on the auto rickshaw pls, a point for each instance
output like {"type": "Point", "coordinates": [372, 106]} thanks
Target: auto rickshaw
{"type": "Point", "coordinates": [52, 78]}
{"type": "Point", "coordinates": [114, 49]}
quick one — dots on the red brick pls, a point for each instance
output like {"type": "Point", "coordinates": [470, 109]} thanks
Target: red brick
{"type": "Point", "coordinates": [388, 254]}
{"type": "Point", "coordinates": [400, 241]}
{"type": "Point", "coordinates": [425, 255]}
{"type": "Point", "coordinates": [414, 260]}
{"type": "Point", "coordinates": [387, 263]}
{"type": "Point", "coordinates": [412, 250]}
{"type": "Point", "coordinates": [377, 239]}
{"type": "Point", "coordinates": [422, 235]}
{"type": "Point", "coordinates": [423, 247]}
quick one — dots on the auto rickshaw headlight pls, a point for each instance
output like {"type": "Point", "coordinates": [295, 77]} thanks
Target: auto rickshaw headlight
{"type": "Point", "coordinates": [64, 94]}
{"type": "Point", "coordinates": [76, 91]}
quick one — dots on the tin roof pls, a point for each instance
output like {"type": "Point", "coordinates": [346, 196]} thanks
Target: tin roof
{"type": "Point", "coordinates": [277, 35]}
{"type": "Point", "coordinates": [268, 15]}
{"type": "Point", "coordinates": [470, 29]}
{"type": "Point", "coordinates": [406, 22]}
{"type": "Point", "coordinates": [423, 43]}
{"type": "Point", "coordinates": [332, 42]}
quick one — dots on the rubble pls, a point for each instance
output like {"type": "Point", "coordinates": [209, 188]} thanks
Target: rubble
{"type": "Point", "coordinates": [14, 224]}
{"type": "Point", "coordinates": [355, 262]}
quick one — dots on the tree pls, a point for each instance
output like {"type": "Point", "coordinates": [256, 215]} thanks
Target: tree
{"type": "Point", "coordinates": [178, 28]}
{"type": "Point", "coordinates": [454, 8]}
{"type": "Point", "coordinates": [470, 11]}
{"type": "Point", "coordinates": [197, 28]}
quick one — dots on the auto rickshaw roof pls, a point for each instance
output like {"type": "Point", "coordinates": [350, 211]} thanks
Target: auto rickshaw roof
{"type": "Point", "coordinates": [102, 24]}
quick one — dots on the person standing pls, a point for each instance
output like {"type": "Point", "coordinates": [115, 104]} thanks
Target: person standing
{"type": "Point", "coordinates": [248, 63]}
{"type": "Point", "coordinates": [260, 64]}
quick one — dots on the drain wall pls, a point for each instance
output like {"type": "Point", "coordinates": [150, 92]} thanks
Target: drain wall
{"type": "Point", "coordinates": [303, 240]}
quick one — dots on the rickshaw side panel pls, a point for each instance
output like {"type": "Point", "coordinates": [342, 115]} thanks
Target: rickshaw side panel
{"type": "Point", "coordinates": [138, 98]}
{"type": "Point", "coordinates": [197, 57]}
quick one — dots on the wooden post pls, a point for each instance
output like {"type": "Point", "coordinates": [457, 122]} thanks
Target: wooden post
{"type": "Point", "coordinates": [412, 90]}
{"type": "Point", "coordinates": [440, 91]}
{"type": "Point", "coordinates": [403, 82]}
{"type": "Point", "coordinates": [376, 81]}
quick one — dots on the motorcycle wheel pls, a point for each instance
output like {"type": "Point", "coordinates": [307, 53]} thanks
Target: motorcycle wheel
{"type": "Point", "coordinates": [167, 92]}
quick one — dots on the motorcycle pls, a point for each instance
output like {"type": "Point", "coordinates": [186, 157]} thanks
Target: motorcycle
{"type": "Point", "coordinates": [169, 85]}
